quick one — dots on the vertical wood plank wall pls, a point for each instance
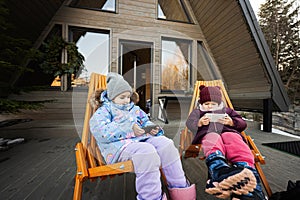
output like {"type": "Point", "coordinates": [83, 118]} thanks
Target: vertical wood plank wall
{"type": "Point", "coordinates": [134, 20]}
{"type": "Point", "coordinates": [227, 34]}
{"type": "Point", "coordinates": [223, 34]}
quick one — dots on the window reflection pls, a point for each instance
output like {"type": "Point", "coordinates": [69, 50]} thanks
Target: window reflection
{"type": "Point", "coordinates": [175, 69]}
{"type": "Point", "coordinates": [106, 5]}
{"type": "Point", "coordinates": [94, 46]}
{"type": "Point", "coordinates": [172, 10]}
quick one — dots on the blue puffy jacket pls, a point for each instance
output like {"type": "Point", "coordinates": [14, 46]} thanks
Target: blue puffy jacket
{"type": "Point", "coordinates": [112, 124]}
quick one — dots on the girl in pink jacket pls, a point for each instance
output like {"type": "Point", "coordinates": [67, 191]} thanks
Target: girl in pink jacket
{"type": "Point", "coordinates": [218, 129]}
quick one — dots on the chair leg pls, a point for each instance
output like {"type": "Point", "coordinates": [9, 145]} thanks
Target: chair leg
{"type": "Point", "coordinates": [263, 179]}
{"type": "Point", "coordinates": [77, 189]}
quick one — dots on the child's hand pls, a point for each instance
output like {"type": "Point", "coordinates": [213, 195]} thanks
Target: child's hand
{"type": "Point", "coordinates": [226, 121]}
{"type": "Point", "coordinates": [203, 121]}
{"type": "Point", "coordinates": [154, 131]}
{"type": "Point", "coordinates": [137, 130]}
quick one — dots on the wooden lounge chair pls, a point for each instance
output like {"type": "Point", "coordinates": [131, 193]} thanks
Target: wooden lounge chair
{"type": "Point", "coordinates": [89, 161]}
{"type": "Point", "coordinates": [187, 150]}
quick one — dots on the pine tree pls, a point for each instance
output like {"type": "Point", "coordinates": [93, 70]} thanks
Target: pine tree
{"type": "Point", "coordinates": [280, 23]}
{"type": "Point", "coordinates": [14, 52]}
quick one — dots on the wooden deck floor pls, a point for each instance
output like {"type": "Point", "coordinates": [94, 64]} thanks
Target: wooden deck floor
{"type": "Point", "coordinates": [44, 166]}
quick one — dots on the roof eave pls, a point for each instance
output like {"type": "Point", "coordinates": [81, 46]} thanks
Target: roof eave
{"type": "Point", "coordinates": [279, 95]}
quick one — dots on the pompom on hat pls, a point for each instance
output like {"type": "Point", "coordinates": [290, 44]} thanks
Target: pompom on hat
{"type": "Point", "coordinates": [210, 93]}
{"type": "Point", "coordinates": [116, 85]}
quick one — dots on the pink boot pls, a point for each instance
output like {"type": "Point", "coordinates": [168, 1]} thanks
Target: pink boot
{"type": "Point", "coordinates": [188, 193]}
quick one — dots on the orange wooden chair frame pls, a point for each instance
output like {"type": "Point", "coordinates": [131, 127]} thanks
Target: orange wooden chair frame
{"type": "Point", "coordinates": [89, 161]}
{"type": "Point", "coordinates": [186, 149]}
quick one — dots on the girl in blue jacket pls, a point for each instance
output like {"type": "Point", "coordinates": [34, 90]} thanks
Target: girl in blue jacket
{"type": "Point", "coordinates": [117, 126]}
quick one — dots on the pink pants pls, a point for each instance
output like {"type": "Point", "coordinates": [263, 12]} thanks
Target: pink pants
{"type": "Point", "coordinates": [230, 144]}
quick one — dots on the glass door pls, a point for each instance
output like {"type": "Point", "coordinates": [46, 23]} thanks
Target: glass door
{"type": "Point", "coordinates": [135, 66]}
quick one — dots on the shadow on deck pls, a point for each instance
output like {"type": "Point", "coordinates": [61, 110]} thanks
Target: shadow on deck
{"type": "Point", "coordinates": [43, 167]}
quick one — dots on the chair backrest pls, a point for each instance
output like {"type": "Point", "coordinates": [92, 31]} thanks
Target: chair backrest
{"type": "Point", "coordinates": [225, 96]}
{"type": "Point", "coordinates": [219, 83]}
{"type": "Point", "coordinates": [97, 81]}
{"type": "Point", "coordinates": [186, 136]}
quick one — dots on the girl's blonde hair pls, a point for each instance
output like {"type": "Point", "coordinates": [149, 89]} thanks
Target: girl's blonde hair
{"type": "Point", "coordinates": [135, 97]}
{"type": "Point", "coordinates": [94, 99]}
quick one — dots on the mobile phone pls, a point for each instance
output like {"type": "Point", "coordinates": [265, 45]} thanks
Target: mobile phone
{"type": "Point", "coordinates": [214, 117]}
{"type": "Point", "coordinates": [150, 127]}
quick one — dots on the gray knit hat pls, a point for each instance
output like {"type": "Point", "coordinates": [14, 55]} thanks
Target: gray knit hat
{"type": "Point", "coordinates": [116, 85]}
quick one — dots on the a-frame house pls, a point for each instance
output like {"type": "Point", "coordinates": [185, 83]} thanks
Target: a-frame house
{"type": "Point", "coordinates": [163, 46]}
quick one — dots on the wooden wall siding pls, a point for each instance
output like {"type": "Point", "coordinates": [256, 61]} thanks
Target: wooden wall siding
{"type": "Point", "coordinates": [233, 48]}
{"type": "Point", "coordinates": [250, 104]}
{"type": "Point", "coordinates": [134, 20]}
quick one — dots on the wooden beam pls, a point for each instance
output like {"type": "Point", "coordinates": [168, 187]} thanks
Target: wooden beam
{"type": "Point", "coordinates": [105, 170]}
{"type": "Point", "coordinates": [267, 115]}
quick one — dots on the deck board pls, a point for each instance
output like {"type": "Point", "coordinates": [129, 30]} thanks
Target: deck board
{"type": "Point", "coordinates": [44, 166]}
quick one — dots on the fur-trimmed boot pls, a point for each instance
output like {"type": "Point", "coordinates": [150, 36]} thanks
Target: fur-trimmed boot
{"type": "Point", "coordinates": [257, 193]}
{"type": "Point", "coordinates": [188, 193]}
{"type": "Point", "coordinates": [225, 179]}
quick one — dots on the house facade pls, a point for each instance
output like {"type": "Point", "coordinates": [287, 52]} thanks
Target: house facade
{"type": "Point", "coordinates": [163, 46]}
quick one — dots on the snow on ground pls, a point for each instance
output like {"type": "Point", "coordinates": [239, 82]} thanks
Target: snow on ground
{"type": "Point", "coordinates": [277, 131]}
{"type": "Point", "coordinates": [280, 132]}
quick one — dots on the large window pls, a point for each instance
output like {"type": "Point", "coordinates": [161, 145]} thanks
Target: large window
{"type": "Point", "coordinates": [94, 46]}
{"type": "Point", "coordinates": [173, 10]}
{"type": "Point", "coordinates": [103, 5]}
{"type": "Point", "coordinates": [176, 64]}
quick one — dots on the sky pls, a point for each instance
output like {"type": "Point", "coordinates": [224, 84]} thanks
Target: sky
{"type": "Point", "coordinates": [95, 49]}
{"type": "Point", "coordinates": [256, 4]}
